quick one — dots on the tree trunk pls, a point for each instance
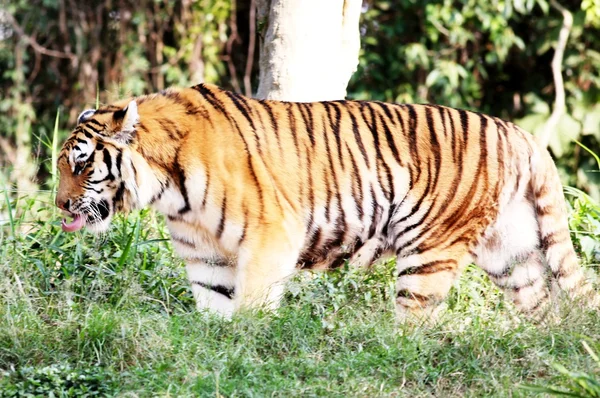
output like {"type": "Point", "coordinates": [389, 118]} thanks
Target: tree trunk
{"type": "Point", "coordinates": [559, 87]}
{"type": "Point", "coordinates": [309, 48]}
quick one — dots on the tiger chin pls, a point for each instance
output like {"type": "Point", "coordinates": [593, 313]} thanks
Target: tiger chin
{"type": "Point", "coordinates": [255, 190]}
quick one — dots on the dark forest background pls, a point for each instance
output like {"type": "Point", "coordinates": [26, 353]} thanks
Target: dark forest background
{"type": "Point", "coordinates": [58, 57]}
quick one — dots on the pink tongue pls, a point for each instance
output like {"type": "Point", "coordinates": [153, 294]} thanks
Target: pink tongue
{"type": "Point", "coordinates": [74, 225]}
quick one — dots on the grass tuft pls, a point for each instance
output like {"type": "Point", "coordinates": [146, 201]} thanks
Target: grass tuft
{"type": "Point", "coordinates": [116, 313]}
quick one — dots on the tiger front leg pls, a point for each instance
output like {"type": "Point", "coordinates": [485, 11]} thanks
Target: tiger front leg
{"type": "Point", "coordinates": [213, 285]}
{"type": "Point", "coordinates": [210, 271]}
{"type": "Point", "coordinates": [263, 269]}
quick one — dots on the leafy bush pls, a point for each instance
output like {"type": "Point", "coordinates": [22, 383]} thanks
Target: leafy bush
{"type": "Point", "coordinates": [56, 381]}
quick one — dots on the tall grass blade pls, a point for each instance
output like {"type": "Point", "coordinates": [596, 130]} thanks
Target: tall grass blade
{"type": "Point", "coordinates": [591, 153]}
{"type": "Point", "coordinates": [127, 249]}
{"type": "Point", "coordinates": [10, 214]}
{"type": "Point", "coordinates": [55, 150]}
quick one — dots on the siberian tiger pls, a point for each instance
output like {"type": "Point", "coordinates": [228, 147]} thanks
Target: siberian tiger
{"type": "Point", "coordinates": [254, 190]}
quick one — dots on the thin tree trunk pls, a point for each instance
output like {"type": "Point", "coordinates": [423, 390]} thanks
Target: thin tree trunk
{"type": "Point", "coordinates": [309, 48]}
{"type": "Point", "coordinates": [559, 87]}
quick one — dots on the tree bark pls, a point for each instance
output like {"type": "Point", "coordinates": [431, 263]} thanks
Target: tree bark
{"type": "Point", "coordinates": [309, 48]}
{"type": "Point", "coordinates": [559, 87]}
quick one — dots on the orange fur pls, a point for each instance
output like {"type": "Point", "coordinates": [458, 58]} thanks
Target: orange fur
{"type": "Point", "coordinates": [253, 190]}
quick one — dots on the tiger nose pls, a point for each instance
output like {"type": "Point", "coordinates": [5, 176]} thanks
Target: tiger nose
{"type": "Point", "coordinates": [63, 204]}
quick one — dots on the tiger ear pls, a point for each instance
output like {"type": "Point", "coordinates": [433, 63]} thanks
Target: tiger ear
{"type": "Point", "coordinates": [126, 119]}
{"type": "Point", "coordinates": [85, 115]}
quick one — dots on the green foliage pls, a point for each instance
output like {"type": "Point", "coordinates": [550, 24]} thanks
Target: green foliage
{"type": "Point", "coordinates": [96, 268]}
{"type": "Point", "coordinates": [56, 381]}
{"type": "Point", "coordinates": [585, 221]}
{"type": "Point", "coordinates": [102, 50]}
{"type": "Point", "coordinates": [577, 384]}
{"type": "Point", "coordinates": [493, 57]}
{"type": "Point", "coordinates": [116, 314]}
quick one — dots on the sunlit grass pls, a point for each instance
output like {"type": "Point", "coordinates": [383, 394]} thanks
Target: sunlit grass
{"type": "Point", "coordinates": [117, 312]}
{"type": "Point", "coordinates": [82, 314]}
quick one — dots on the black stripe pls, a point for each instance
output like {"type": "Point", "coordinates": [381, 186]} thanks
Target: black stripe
{"type": "Point", "coordinates": [314, 242]}
{"type": "Point", "coordinates": [292, 123]}
{"type": "Point", "coordinates": [358, 138]}
{"type": "Point", "coordinates": [108, 161]}
{"type": "Point", "coordinates": [206, 188]}
{"type": "Point", "coordinates": [422, 299]}
{"type": "Point", "coordinates": [223, 216]}
{"type": "Point", "coordinates": [376, 219]}
{"type": "Point", "coordinates": [179, 179]}
{"type": "Point", "coordinates": [103, 208]}
{"type": "Point", "coordinates": [417, 205]}
{"type": "Point", "coordinates": [225, 291]}
{"type": "Point", "coordinates": [210, 97]}
{"type": "Point", "coordinates": [389, 193]}
{"type": "Point", "coordinates": [356, 182]}
{"type": "Point", "coordinates": [217, 104]}
{"type": "Point", "coordinates": [184, 241]}
{"type": "Point", "coordinates": [308, 121]}
{"type": "Point", "coordinates": [429, 268]}
{"type": "Point", "coordinates": [190, 107]}
{"type": "Point", "coordinates": [118, 198]}
{"type": "Point", "coordinates": [242, 107]}
{"type": "Point", "coordinates": [310, 188]}
{"type": "Point", "coordinates": [269, 110]}
{"type": "Point", "coordinates": [94, 122]}
{"type": "Point", "coordinates": [245, 227]}
{"type": "Point", "coordinates": [107, 109]}
{"type": "Point", "coordinates": [328, 195]}
{"type": "Point", "coordinates": [414, 210]}
{"type": "Point", "coordinates": [435, 145]}
{"type": "Point", "coordinates": [388, 133]}
{"type": "Point", "coordinates": [412, 133]}
{"type": "Point", "coordinates": [118, 161]}
{"type": "Point", "coordinates": [159, 194]}
{"type": "Point", "coordinates": [334, 124]}
{"type": "Point", "coordinates": [341, 219]}
{"type": "Point", "coordinates": [483, 158]}
{"type": "Point", "coordinates": [107, 178]}
{"type": "Point", "coordinates": [94, 129]}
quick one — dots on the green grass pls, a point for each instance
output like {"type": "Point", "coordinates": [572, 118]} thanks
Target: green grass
{"type": "Point", "coordinates": [114, 314]}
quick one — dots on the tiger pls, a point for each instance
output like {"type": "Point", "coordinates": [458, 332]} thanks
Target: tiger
{"type": "Point", "coordinates": [255, 190]}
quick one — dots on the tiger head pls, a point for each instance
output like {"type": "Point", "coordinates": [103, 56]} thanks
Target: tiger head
{"type": "Point", "coordinates": [95, 164]}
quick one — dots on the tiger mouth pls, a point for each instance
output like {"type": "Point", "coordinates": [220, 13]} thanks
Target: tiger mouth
{"type": "Point", "coordinates": [78, 222]}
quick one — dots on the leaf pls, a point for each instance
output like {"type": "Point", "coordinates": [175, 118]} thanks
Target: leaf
{"type": "Point", "coordinates": [591, 153]}
{"type": "Point", "coordinates": [432, 77]}
{"type": "Point", "coordinates": [544, 5]}
{"type": "Point", "coordinates": [532, 123]}
{"type": "Point", "coordinates": [567, 131]}
{"type": "Point", "coordinates": [588, 245]}
{"type": "Point", "coordinates": [591, 122]}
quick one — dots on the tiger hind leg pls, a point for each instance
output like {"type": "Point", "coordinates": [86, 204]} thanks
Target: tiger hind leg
{"type": "Point", "coordinates": [510, 254]}
{"type": "Point", "coordinates": [548, 200]}
{"type": "Point", "coordinates": [424, 280]}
